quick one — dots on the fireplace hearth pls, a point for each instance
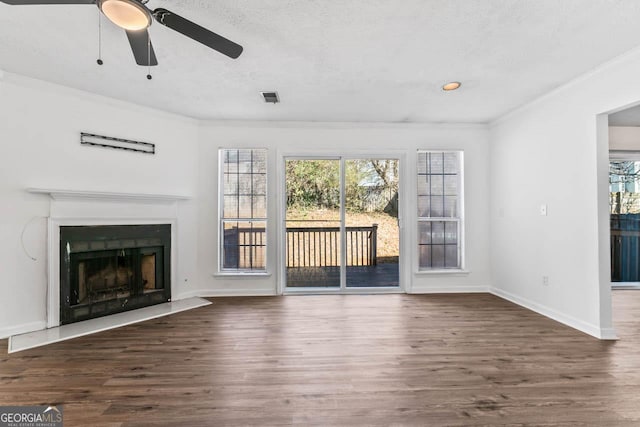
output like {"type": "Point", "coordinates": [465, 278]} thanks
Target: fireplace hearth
{"type": "Point", "coordinates": [108, 269]}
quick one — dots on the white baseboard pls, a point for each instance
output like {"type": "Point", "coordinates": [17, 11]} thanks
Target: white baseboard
{"type": "Point", "coordinates": [22, 329]}
{"type": "Point", "coordinates": [448, 289]}
{"type": "Point", "coordinates": [608, 334]}
{"type": "Point", "coordinates": [185, 295]}
{"type": "Point", "coordinates": [593, 330]}
{"type": "Point", "coordinates": [587, 328]}
{"type": "Point", "coordinates": [205, 293]}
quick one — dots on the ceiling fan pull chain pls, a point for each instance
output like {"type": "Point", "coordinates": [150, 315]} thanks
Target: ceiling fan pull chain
{"type": "Point", "coordinates": [99, 61]}
{"type": "Point", "coordinates": [149, 57]}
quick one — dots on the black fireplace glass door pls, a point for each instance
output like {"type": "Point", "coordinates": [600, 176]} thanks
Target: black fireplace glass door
{"type": "Point", "coordinates": [102, 275]}
{"type": "Point", "coordinates": [151, 269]}
{"type": "Point", "coordinates": [110, 269]}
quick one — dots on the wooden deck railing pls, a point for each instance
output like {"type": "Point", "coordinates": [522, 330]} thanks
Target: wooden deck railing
{"type": "Point", "coordinates": [306, 246]}
{"type": "Point", "coordinates": [320, 246]}
{"type": "Point", "coordinates": [244, 248]}
{"type": "Point", "coordinates": [625, 247]}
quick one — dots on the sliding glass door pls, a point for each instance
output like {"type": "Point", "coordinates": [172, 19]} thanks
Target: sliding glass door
{"type": "Point", "coordinates": [312, 221]}
{"type": "Point", "coordinates": [341, 224]}
{"type": "Point", "coordinates": [371, 223]}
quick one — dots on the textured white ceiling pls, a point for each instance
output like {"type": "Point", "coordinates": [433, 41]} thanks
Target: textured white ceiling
{"type": "Point", "coordinates": [331, 60]}
{"type": "Point", "coordinates": [628, 117]}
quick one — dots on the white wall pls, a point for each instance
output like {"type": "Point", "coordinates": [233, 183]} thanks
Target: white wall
{"type": "Point", "coordinates": [555, 152]}
{"type": "Point", "coordinates": [624, 138]}
{"type": "Point", "coordinates": [40, 127]}
{"type": "Point", "coordinates": [400, 140]}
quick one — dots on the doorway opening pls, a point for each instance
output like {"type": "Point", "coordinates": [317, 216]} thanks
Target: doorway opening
{"type": "Point", "coordinates": [618, 158]}
{"type": "Point", "coordinates": [341, 224]}
{"type": "Point", "coordinates": [624, 198]}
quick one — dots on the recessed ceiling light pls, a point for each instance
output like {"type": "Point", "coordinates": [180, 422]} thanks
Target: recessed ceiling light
{"type": "Point", "coordinates": [451, 86]}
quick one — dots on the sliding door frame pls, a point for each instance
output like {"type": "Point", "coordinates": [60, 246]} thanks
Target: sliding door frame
{"type": "Point", "coordinates": [282, 212]}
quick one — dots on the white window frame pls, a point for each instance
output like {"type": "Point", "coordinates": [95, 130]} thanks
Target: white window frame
{"type": "Point", "coordinates": [222, 271]}
{"type": "Point", "coordinates": [459, 219]}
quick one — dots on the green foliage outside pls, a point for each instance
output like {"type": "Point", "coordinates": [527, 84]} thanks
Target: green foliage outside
{"type": "Point", "coordinates": [315, 184]}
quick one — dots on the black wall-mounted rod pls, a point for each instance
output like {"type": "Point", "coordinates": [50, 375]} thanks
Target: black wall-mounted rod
{"type": "Point", "coordinates": [117, 143]}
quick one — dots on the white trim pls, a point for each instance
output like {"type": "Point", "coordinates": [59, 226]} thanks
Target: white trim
{"type": "Point", "coordinates": [42, 85]}
{"type": "Point", "coordinates": [528, 105]}
{"type": "Point", "coordinates": [465, 289]}
{"type": "Point", "coordinates": [346, 291]}
{"type": "Point", "coordinates": [220, 203]}
{"type": "Point", "coordinates": [608, 334]}
{"type": "Point", "coordinates": [209, 124]}
{"type": "Point", "coordinates": [342, 187]}
{"type": "Point", "coordinates": [53, 274]}
{"type": "Point", "coordinates": [53, 260]}
{"type": "Point", "coordinates": [622, 155]}
{"type": "Point", "coordinates": [186, 294]}
{"type": "Point", "coordinates": [601, 333]}
{"type": "Point", "coordinates": [625, 286]}
{"type": "Point", "coordinates": [443, 272]}
{"type": "Point", "coordinates": [214, 293]}
{"type": "Point", "coordinates": [86, 195]}
{"type": "Point", "coordinates": [603, 231]}
{"type": "Point", "coordinates": [587, 328]}
{"type": "Point", "coordinates": [241, 274]}
{"type": "Point", "coordinates": [403, 262]}
{"type": "Point", "coordinates": [460, 218]}
{"type": "Point", "coordinates": [8, 331]}
{"type": "Point", "coordinates": [220, 270]}
{"type": "Point", "coordinates": [281, 213]}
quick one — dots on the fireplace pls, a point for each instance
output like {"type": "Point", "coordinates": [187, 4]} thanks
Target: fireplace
{"type": "Point", "coordinates": [108, 269]}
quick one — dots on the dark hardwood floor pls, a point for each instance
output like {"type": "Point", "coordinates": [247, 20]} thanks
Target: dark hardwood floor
{"type": "Point", "coordinates": [425, 360]}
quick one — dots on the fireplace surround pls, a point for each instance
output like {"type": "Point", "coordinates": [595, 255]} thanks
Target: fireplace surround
{"type": "Point", "coordinates": [71, 208]}
{"type": "Point", "coordinates": [107, 269]}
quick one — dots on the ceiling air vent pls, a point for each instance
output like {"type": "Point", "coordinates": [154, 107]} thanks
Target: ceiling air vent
{"type": "Point", "coordinates": [271, 97]}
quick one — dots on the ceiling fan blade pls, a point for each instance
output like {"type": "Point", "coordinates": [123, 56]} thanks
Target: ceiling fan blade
{"type": "Point", "coordinates": [28, 2]}
{"type": "Point", "coordinates": [142, 47]}
{"type": "Point", "coordinates": [197, 33]}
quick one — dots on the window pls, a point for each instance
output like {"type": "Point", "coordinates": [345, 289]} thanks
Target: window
{"type": "Point", "coordinates": [243, 212]}
{"type": "Point", "coordinates": [624, 180]}
{"type": "Point", "coordinates": [439, 210]}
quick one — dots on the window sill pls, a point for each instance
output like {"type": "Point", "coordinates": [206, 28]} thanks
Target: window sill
{"type": "Point", "coordinates": [241, 274]}
{"type": "Point", "coordinates": [444, 272]}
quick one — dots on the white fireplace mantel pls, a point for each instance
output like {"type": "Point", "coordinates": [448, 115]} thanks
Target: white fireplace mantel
{"type": "Point", "coordinates": [79, 195]}
{"type": "Point", "coordinates": [70, 208]}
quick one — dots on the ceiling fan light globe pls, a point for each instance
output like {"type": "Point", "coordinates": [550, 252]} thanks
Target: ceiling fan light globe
{"type": "Point", "coordinates": [451, 86]}
{"type": "Point", "coordinates": [128, 14]}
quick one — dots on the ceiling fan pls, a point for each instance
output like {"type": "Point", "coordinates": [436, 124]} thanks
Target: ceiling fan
{"type": "Point", "coordinates": [135, 18]}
